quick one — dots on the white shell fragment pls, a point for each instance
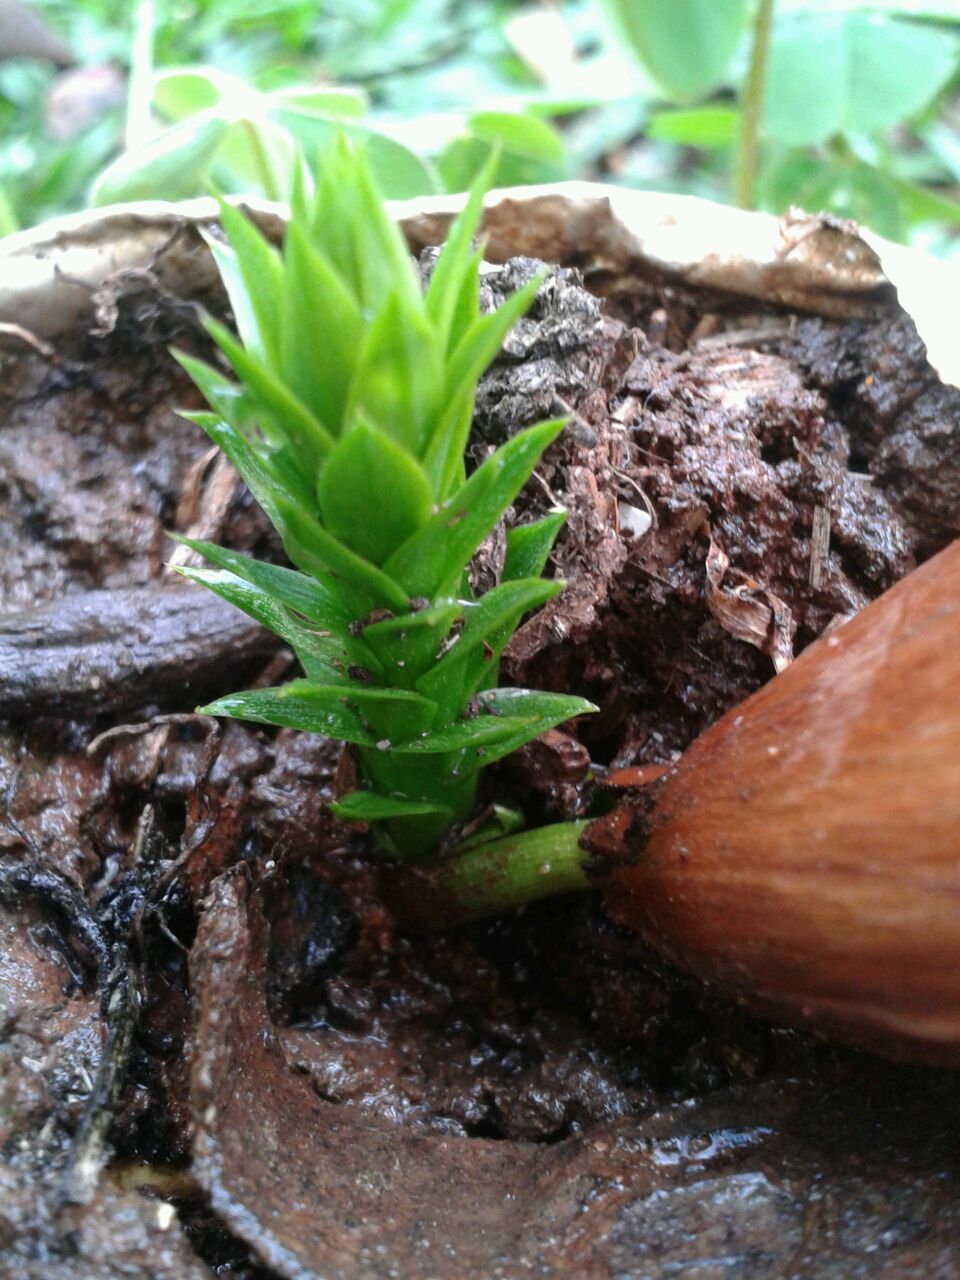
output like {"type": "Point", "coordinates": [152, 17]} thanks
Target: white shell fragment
{"type": "Point", "coordinates": [634, 521]}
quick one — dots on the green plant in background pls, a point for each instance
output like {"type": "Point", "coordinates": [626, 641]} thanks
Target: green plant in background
{"type": "Point", "coordinates": [221, 129]}
{"type": "Point", "coordinates": [224, 131]}
{"type": "Point", "coordinates": [348, 421]}
{"type": "Point", "coordinates": [224, 93]}
{"type": "Point", "coordinates": [843, 105]}
{"type": "Point", "coordinates": [818, 89]}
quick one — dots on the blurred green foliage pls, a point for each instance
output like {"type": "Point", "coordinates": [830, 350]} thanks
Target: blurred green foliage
{"type": "Point", "coordinates": [859, 113]}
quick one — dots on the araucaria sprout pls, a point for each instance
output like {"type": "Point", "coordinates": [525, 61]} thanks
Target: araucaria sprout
{"type": "Point", "coordinates": [348, 421]}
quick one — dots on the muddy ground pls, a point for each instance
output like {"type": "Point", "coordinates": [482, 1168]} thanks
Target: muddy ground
{"type": "Point", "coordinates": [220, 1054]}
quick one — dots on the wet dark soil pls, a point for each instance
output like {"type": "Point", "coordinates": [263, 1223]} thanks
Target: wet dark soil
{"type": "Point", "coordinates": [220, 1054]}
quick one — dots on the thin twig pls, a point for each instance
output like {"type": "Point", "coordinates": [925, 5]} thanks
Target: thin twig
{"type": "Point", "coordinates": [10, 330]}
{"type": "Point", "coordinates": [91, 1149]}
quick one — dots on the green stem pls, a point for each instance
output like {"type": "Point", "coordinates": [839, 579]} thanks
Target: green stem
{"type": "Point", "coordinates": [498, 876]}
{"type": "Point", "coordinates": [416, 839]}
{"type": "Point", "coordinates": [751, 107]}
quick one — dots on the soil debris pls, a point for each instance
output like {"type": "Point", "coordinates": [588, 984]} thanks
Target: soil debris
{"type": "Point", "coordinates": [318, 1189]}
{"type": "Point", "coordinates": [532, 1095]}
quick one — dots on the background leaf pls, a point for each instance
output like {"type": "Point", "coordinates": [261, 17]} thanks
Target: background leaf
{"type": "Point", "coordinates": [182, 93]}
{"type": "Point", "coordinates": [307, 100]}
{"type": "Point", "coordinates": [696, 127]}
{"type": "Point", "coordinates": [851, 72]}
{"type": "Point", "coordinates": [847, 189]}
{"type": "Point", "coordinates": [523, 135]}
{"type": "Point", "coordinates": [921, 204]}
{"type": "Point", "coordinates": [176, 162]}
{"type": "Point", "coordinates": [257, 156]}
{"type": "Point", "coordinates": [685, 45]}
{"type": "Point", "coordinates": [464, 158]}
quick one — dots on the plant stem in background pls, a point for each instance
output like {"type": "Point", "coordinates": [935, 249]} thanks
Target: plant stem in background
{"type": "Point", "coordinates": [751, 108]}
{"type": "Point", "coordinates": [139, 126]}
{"type": "Point", "coordinates": [497, 876]}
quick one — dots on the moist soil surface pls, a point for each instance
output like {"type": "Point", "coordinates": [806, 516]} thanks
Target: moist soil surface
{"type": "Point", "coordinates": [220, 1053]}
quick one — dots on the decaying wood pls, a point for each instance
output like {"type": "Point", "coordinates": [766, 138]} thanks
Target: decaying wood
{"type": "Point", "coordinates": [120, 648]}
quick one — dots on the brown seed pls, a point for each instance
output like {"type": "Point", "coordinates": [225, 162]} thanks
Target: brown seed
{"type": "Point", "coordinates": [805, 852]}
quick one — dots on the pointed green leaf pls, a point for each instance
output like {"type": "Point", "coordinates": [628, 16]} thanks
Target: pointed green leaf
{"type": "Point", "coordinates": [322, 328]}
{"type": "Point", "coordinates": [533, 702]}
{"type": "Point", "coordinates": [297, 591]}
{"type": "Point", "coordinates": [498, 821]}
{"type": "Point", "coordinates": [230, 399]}
{"type": "Point", "coordinates": [358, 583]}
{"type": "Point", "coordinates": [323, 658]}
{"type": "Point", "coordinates": [487, 626]}
{"type": "Point", "coordinates": [373, 495]}
{"type": "Point", "coordinates": [483, 341]}
{"type": "Point", "coordinates": [449, 538]}
{"type": "Point", "coordinates": [392, 714]}
{"type": "Point", "coordinates": [547, 710]}
{"type": "Point", "coordinates": [370, 806]}
{"type": "Point", "coordinates": [468, 736]}
{"type": "Point", "coordinates": [256, 474]}
{"type": "Point", "coordinates": [467, 363]}
{"type": "Point", "coordinates": [297, 705]}
{"type": "Point", "coordinates": [331, 217]}
{"type": "Point", "coordinates": [252, 273]}
{"type": "Point", "coordinates": [309, 437]}
{"type": "Point", "coordinates": [236, 406]}
{"type": "Point", "coordinates": [453, 424]}
{"type": "Point", "coordinates": [361, 240]}
{"type": "Point", "coordinates": [302, 192]}
{"type": "Point", "coordinates": [457, 267]}
{"type": "Point", "coordinates": [529, 546]}
{"type": "Point", "coordinates": [383, 256]}
{"type": "Point", "coordinates": [399, 374]}
{"type": "Point", "coordinates": [353, 712]}
{"type": "Point", "coordinates": [409, 644]}
{"type": "Point", "coordinates": [466, 306]}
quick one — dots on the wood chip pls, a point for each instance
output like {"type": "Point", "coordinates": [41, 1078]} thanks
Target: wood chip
{"type": "Point", "coordinates": [748, 611]}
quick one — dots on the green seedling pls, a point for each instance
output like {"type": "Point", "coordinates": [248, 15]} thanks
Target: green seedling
{"type": "Point", "coordinates": [347, 417]}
